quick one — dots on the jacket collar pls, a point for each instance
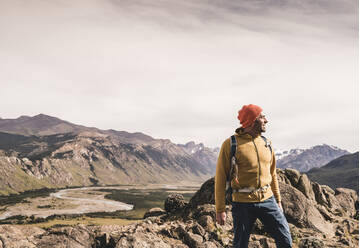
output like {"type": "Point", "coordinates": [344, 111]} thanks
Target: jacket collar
{"type": "Point", "coordinates": [240, 133]}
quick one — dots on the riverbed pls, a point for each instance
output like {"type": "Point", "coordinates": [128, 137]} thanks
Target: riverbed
{"type": "Point", "coordinates": [94, 199]}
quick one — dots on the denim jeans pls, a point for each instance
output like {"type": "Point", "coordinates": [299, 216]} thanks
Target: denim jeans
{"type": "Point", "coordinates": [245, 214]}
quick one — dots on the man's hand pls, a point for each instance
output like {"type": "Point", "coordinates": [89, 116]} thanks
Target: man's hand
{"type": "Point", "coordinates": [221, 218]}
{"type": "Point", "coordinates": [280, 206]}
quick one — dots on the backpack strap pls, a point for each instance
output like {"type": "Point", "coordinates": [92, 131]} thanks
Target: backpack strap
{"type": "Point", "coordinates": [268, 144]}
{"type": "Point", "coordinates": [232, 157]}
{"type": "Point", "coordinates": [232, 164]}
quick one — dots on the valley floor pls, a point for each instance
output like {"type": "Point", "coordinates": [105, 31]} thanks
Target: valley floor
{"type": "Point", "coordinates": [105, 205]}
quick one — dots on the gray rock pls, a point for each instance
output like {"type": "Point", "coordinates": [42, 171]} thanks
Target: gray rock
{"type": "Point", "coordinates": [193, 240]}
{"type": "Point", "coordinates": [205, 195]}
{"type": "Point", "coordinates": [207, 222]}
{"type": "Point", "coordinates": [293, 176]}
{"type": "Point", "coordinates": [304, 185]}
{"type": "Point", "coordinates": [301, 212]}
{"type": "Point", "coordinates": [209, 244]}
{"type": "Point", "coordinates": [311, 242]}
{"type": "Point", "coordinates": [320, 197]}
{"type": "Point", "coordinates": [174, 202]}
{"type": "Point", "coordinates": [154, 212]}
{"type": "Point", "coordinates": [198, 229]}
{"type": "Point", "coordinates": [267, 243]}
{"type": "Point", "coordinates": [282, 177]}
{"type": "Point", "coordinates": [347, 199]}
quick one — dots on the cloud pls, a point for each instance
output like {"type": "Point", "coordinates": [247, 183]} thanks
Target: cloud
{"type": "Point", "coordinates": [182, 69]}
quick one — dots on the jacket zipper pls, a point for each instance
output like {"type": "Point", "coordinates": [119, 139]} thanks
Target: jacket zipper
{"type": "Point", "coordinates": [259, 165]}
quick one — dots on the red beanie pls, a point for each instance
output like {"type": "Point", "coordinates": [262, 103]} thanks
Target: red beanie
{"type": "Point", "coordinates": [248, 114]}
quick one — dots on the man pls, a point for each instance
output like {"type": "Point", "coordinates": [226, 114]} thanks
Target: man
{"type": "Point", "coordinates": [253, 181]}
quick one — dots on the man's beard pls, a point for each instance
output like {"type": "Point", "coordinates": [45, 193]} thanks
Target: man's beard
{"type": "Point", "coordinates": [258, 127]}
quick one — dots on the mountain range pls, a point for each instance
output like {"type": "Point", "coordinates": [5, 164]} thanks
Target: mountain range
{"type": "Point", "coordinates": [44, 151]}
{"type": "Point", "coordinates": [306, 159]}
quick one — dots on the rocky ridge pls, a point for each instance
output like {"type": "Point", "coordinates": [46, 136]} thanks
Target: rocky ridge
{"type": "Point", "coordinates": [318, 215]}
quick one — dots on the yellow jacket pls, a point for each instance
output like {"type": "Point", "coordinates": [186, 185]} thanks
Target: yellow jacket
{"type": "Point", "coordinates": [257, 168]}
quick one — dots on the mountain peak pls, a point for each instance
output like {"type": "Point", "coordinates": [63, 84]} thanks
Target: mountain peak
{"type": "Point", "coordinates": [41, 116]}
{"type": "Point", "coordinates": [23, 118]}
{"type": "Point", "coordinates": [306, 159]}
{"type": "Point", "coordinates": [45, 117]}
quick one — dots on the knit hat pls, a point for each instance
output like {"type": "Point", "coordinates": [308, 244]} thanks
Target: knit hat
{"type": "Point", "coordinates": [248, 114]}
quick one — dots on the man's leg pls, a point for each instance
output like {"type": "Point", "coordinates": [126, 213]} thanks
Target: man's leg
{"type": "Point", "coordinates": [274, 222]}
{"type": "Point", "coordinates": [243, 220]}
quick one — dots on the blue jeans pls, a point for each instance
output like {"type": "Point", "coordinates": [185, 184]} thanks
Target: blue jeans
{"type": "Point", "coordinates": [245, 214]}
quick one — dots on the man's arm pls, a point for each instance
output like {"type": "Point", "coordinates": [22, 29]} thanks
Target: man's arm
{"type": "Point", "coordinates": [222, 169]}
{"type": "Point", "coordinates": [274, 183]}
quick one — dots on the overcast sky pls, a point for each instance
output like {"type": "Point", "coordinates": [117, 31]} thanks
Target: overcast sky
{"type": "Point", "coordinates": [182, 69]}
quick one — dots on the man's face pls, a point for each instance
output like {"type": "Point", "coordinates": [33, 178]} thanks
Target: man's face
{"type": "Point", "coordinates": [260, 123]}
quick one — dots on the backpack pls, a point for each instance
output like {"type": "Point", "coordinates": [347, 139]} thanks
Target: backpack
{"type": "Point", "coordinates": [233, 162]}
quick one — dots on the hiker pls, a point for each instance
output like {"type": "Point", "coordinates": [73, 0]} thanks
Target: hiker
{"type": "Point", "coordinates": [246, 160]}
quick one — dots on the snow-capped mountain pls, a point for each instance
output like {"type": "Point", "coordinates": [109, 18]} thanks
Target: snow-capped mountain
{"type": "Point", "coordinates": [279, 154]}
{"type": "Point", "coordinates": [306, 159]}
{"type": "Point", "coordinates": [192, 148]}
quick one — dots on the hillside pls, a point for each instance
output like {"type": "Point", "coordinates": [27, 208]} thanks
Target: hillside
{"type": "Point", "coordinates": [341, 172]}
{"type": "Point", "coordinates": [90, 156]}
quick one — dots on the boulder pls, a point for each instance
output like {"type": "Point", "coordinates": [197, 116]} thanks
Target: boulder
{"type": "Point", "coordinates": [207, 222]}
{"type": "Point", "coordinates": [282, 177]}
{"type": "Point", "coordinates": [209, 244]}
{"type": "Point", "coordinates": [205, 195]}
{"type": "Point", "coordinates": [142, 240]}
{"type": "Point", "coordinates": [198, 229]}
{"type": "Point", "coordinates": [19, 236]}
{"type": "Point", "coordinates": [301, 211]}
{"type": "Point", "coordinates": [193, 240]}
{"type": "Point", "coordinates": [319, 193]}
{"type": "Point", "coordinates": [347, 199]}
{"type": "Point", "coordinates": [154, 212]}
{"type": "Point", "coordinates": [174, 202]}
{"type": "Point", "coordinates": [293, 176]}
{"type": "Point", "coordinates": [311, 242]}
{"type": "Point", "coordinates": [304, 185]}
{"type": "Point", "coordinates": [76, 237]}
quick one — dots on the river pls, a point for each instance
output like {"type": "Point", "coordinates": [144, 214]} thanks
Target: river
{"type": "Point", "coordinates": [67, 201]}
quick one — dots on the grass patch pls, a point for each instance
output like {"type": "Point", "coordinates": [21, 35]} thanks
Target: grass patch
{"type": "Point", "coordinates": [18, 198]}
{"type": "Point", "coordinates": [44, 206]}
{"type": "Point", "coordinates": [142, 199]}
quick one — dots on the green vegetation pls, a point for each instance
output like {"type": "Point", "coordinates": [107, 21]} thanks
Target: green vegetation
{"type": "Point", "coordinates": [142, 200]}
{"type": "Point", "coordinates": [17, 198]}
{"type": "Point", "coordinates": [44, 206]}
{"type": "Point", "coordinates": [341, 172]}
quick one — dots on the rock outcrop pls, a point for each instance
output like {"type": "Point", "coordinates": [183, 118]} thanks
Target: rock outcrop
{"type": "Point", "coordinates": [318, 217]}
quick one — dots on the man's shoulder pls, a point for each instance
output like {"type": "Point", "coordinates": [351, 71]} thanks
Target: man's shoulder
{"type": "Point", "coordinates": [227, 142]}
